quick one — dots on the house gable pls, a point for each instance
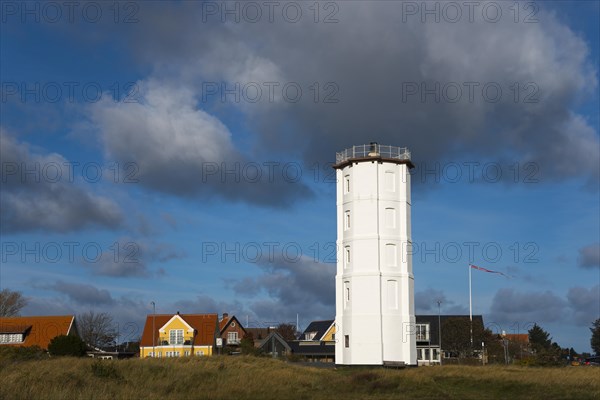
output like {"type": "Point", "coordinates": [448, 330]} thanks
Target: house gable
{"type": "Point", "coordinates": [318, 330]}
{"type": "Point", "coordinates": [176, 322]}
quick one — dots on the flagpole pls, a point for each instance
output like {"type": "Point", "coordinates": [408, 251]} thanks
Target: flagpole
{"type": "Point", "coordinates": [470, 307]}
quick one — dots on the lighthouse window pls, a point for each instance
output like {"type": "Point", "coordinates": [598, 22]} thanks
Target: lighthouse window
{"type": "Point", "coordinates": [346, 293]}
{"type": "Point", "coordinates": [347, 256]}
{"type": "Point", "coordinates": [390, 181]}
{"type": "Point", "coordinates": [347, 340]}
{"type": "Point", "coordinates": [390, 218]}
{"type": "Point", "coordinates": [390, 255]}
{"type": "Point", "coordinates": [347, 219]}
{"type": "Point", "coordinates": [347, 184]}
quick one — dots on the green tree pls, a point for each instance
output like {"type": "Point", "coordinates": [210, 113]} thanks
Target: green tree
{"type": "Point", "coordinates": [64, 345]}
{"type": "Point", "coordinates": [247, 344]}
{"type": "Point", "coordinates": [456, 336]}
{"type": "Point", "coordinates": [539, 339]}
{"type": "Point", "coordinates": [287, 331]}
{"type": "Point", "coordinates": [595, 340]}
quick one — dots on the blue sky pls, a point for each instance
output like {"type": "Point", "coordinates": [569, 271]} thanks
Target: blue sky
{"type": "Point", "coordinates": [149, 154]}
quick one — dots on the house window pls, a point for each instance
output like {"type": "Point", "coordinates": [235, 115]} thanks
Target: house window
{"type": "Point", "coordinates": [347, 184]}
{"type": "Point", "coordinates": [200, 353]}
{"type": "Point", "coordinates": [11, 338]}
{"type": "Point", "coordinates": [436, 355]}
{"type": "Point", "coordinates": [232, 337]}
{"type": "Point", "coordinates": [346, 256]}
{"type": "Point", "coordinates": [151, 354]}
{"type": "Point", "coordinates": [310, 335]}
{"type": "Point", "coordinates": [347, 340]}
{"type": "Point", "coordinates": [422, 332]}
{"type": "Point", "coordinates": [347, 220]}
{"type": "Point", "coordinates": [176, 336]}
{"type": "Point", "coordinates": [187, 353]}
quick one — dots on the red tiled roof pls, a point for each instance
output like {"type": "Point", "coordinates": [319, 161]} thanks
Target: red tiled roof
{"type": "Point", "coordinates": [223, 322]}
{"type": "Point", "coordinates": [39, 331]}
{"type": "Point", "coordinates": [518, 337]}
{"type": "Point", "coordinates": [204, 324]}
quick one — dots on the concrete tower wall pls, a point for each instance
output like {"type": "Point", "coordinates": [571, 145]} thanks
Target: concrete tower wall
{"type": "Point", "coordinates": [374, 280]}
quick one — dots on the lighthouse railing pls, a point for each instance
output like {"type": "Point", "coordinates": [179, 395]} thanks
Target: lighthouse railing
{"type": "Point", "coordinates": [372, 150]}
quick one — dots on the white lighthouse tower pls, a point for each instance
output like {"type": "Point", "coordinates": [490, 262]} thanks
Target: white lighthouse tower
{"type": "Point", "coordinates": [375, 317]}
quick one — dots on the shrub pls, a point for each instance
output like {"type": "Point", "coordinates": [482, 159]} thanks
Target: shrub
{"type": "Point", "coordinates": [17, 353]}
{"type": "Point", "coordinates": [64, 345]}
{"type": "Point", "coordinates": [105, 369]}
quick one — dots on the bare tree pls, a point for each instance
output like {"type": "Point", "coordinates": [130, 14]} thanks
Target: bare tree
{"type": "Point", "coordinates": [11, 303]}
{"type": "Point", "coordinates": [97, 329]}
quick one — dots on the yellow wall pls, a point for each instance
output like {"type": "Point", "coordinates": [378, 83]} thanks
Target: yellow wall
{"type": "Point", "coordinates": [161, 351]}
{"type": "Point", "coordinates": [176, 324]}
{"type": "Point", "coordinates": [329, 334]}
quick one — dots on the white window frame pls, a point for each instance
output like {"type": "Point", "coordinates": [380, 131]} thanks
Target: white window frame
{"type": "Point", "coordinates": [418, 333]}
{"type": "Point", "coordinates": [347, 184]}
{"type": "Point", "coordinates": [347, 222]}
{"type": "Point", "coordinates": [232, 337]}
{"type": "Point", "coordinates": [176, 336]}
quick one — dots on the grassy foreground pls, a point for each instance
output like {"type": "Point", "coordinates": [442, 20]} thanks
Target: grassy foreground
{"type": "Point", "coordinates": [264, 378]}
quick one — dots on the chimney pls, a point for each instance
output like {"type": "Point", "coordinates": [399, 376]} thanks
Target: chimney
{"type": "Point", "coordinates": [225, 315]}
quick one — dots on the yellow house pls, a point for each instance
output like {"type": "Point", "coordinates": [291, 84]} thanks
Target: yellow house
{"type": "Point", "coordinates": [179, 335]}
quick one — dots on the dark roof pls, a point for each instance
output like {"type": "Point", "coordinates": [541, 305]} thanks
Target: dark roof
{"type": "Point", "coordinates": [320, 327]}
{"type": "Point", "coordinates": [259, 333]}
{"type": "Point", "coordinates": [277, 338]}
{"type": "Point", "coordinates": [301, 348]}
{"type": "Point", "coordinates": [432, 320]}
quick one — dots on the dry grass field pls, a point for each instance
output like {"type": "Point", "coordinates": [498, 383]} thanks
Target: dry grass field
{"type": "Point", "coordinates": [263, 378]}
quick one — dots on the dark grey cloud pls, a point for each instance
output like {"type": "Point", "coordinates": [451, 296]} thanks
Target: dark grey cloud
{"type": "Point", "coordinates": [205, 304]}
{"type": "Point", "coordinates": [585, 304]}
{"type": "Point", "coordinates": [510, 306]}
{"type": "Point", "coordinates": [39, 201]}
{"type": "Point", "coordinates": [128, 257]}
{"type": "Point", "coordinates": [589, 256]}
{"type": "Point", "coordinates": [426, 303]}
{"type": "Point", "coordinates": [371, 54]}
{"type": "Point", "coordinates": [83, 294]}
{"type": "Point", "coordinates": [285, 288]}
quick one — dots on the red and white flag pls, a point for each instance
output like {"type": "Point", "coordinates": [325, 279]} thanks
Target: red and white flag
{"type": "Point", "coordinates": [487, 270]}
